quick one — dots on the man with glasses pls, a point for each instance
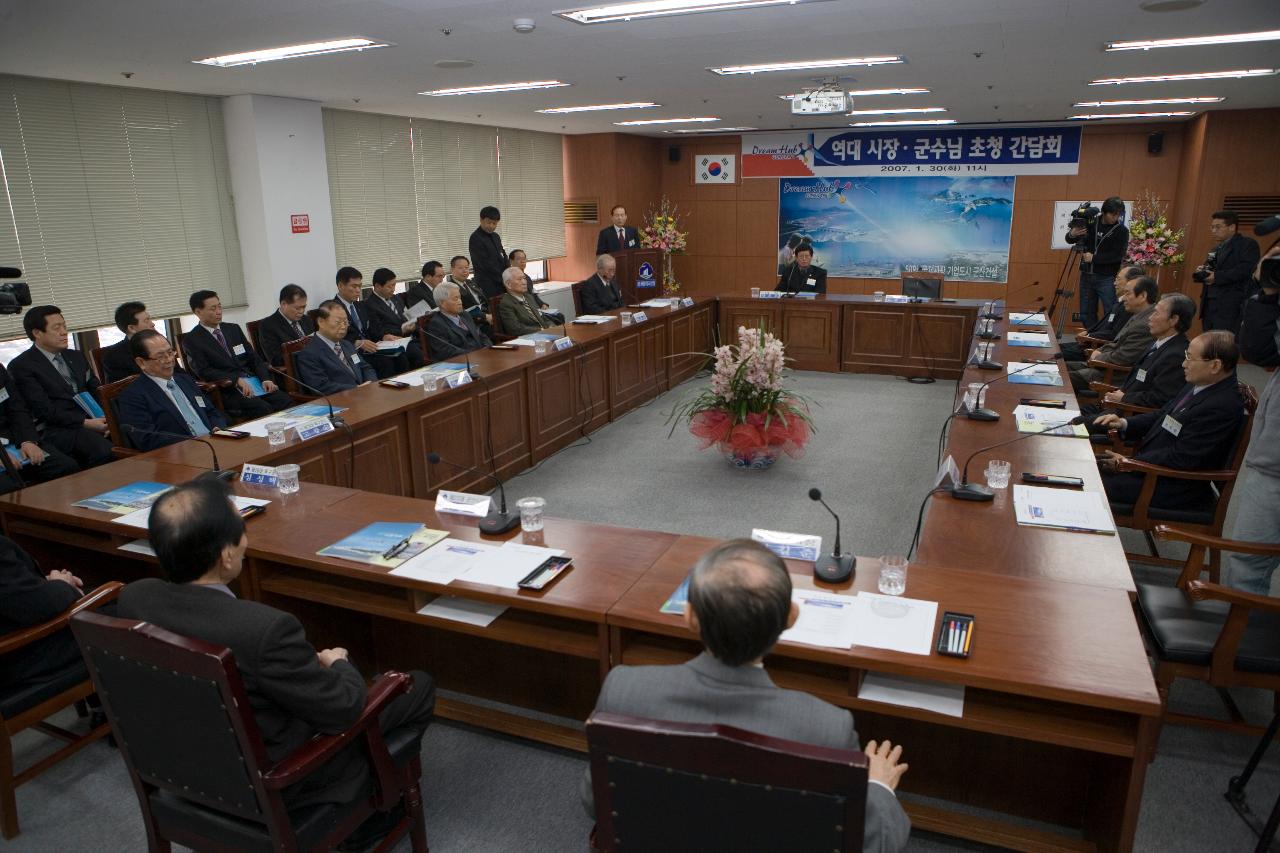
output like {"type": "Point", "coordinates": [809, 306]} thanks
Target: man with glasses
{"type": "Point", "coordinates": [162, 406]}
{"type": "Point", "coordinates": [1139, 298]}
{"type": "Point", "coordinates": [1227, 274]}
{"type": "Point", "coordinates": [329, 362]}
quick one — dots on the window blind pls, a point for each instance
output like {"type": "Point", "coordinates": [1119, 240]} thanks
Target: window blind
{"type": "Point", "coordinates": [408, 190]}
{"type": "Point", "coordinates": [113, 194]}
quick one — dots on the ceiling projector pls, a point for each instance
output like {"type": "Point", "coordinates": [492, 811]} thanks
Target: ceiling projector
{"type": "Point", "coordinates": [819, 103]}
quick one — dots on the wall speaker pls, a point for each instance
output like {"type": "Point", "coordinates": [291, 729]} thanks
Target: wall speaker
{"type": "Point", "coordinates": [1155, 142]}
{"type": "Point", "coordinates": [673, 153]}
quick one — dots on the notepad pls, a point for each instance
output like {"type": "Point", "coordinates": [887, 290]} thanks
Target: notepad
{"type": "Point", "coordinates": [126, 499]}
{"type": "Point", "coordinates": [1038, 419]}
{"type": "Point", "coordinates": [372, 544]}
{"type": "Point", "coordinates": [1037, 374]}
{"type": "Point", "coordinates": [895, 623]}
{"type": "Point", "coordinates": [826, 619]}
{"type": "Point", "coordinates": [1060, 509]}
{"type": "Point", "coordinates": [1029, 339]}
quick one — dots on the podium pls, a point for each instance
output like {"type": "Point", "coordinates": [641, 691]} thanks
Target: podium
{"type": "Point", "coordinates": [629, 263]}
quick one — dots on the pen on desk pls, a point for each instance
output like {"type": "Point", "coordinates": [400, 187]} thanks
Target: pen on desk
{"type": "Point", "coordinates": [964, 631]}
{"type": "Point", "coordinates": [951, 637]}
{"type": "Point", "coordinates": [396, 548]}
{"type": "Point", "coordinates": [968, 638]}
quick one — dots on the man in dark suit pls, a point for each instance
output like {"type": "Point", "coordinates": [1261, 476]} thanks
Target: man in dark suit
{"type": "Point", "coordinates": [617, 236]}
{"type": "Point", "coordinates": [474, 300]}
{"type": "Point", "coordinates": [600, 293]}
{"type": "Point", "coordinates": [29, 461]}
{"type": "Point", "coordinates": [162, 401]}
{"type": "Point", "coordinates": [1112, 321]}
{"type": "Point", "coordinates": [117, 360]}
{"type": "Point", "coordinates": [740, 603]}
{"type": "Point", "coordinates": [360, 325]}
{"type": "Point", "coordinates": [1228, 274]}
{"type": "Point", "coordinates": [216, 351]}
{"type": "Point", "coordinates": [289, 323]}
{"type": "Point", "coordinates": [487, 255]}
{"type": "Point", "coordinates": [421, 291]}
{"type": "Point", "coordinates": [295, 691]}
{"type": "Point", "coordinates": [1157, 376]}
{"type": "Point", "coordinates": [1195, 431]}
{"type": "Point", "coordinates": [803, 275]}
{"type": "Point", "coordinates": [329, 363]}
{"type": "Point", "coordinates": [387, 320]}
{"type": "Point", "coordinates": [27, 598]}
{"type": "Point", "coordinates": [1139, 297]}
{"type": "Point", "coordinates": [451, 332]}
{"type": "Point", "coordinates": [48, 378]}
{"type": "Point", "coordinates": [520, 260]}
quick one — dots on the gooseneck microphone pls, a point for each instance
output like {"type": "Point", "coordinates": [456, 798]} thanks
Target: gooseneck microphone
{"type": "Point", "coordinates": [984, 414]}
{"type": "Point", "coordinates": [992, 314]}
{"type": "Point", "coordinates": [466, 356]}
{"type": "Point", "coordinates": [334, 417]}
{"type": "Point", "coordinates": [967, 491]}
{"type": "Point", "coordinates": [217, 469]}
{"type": "Point", "coordinates": [834, 567]}
{"type": "Point", "coordinates": [496, 522]}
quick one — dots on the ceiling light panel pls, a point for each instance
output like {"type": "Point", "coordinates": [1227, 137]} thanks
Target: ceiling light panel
{"type": "Point", "coordinates": [495, 87]}
{"type": "Point", "coordinates": [1147, 102]}
{"type": "Point", "coordinates": [295, 51]}
{"type": "Point", "coordinates": [899, 111]}
{"type": "Point", "coordinates": [1194, 41]}
{"type": "Point", "coordinates": [635, 105]}
{"type": "Point", "coordinates": [662, 8]}
{"type": "Point", "coordinates": [805, 65]}
{"type": "Point", "coordinates": [638, 122]}
{"type": "Point", "coordinates": [919, 121]}
{"type": "Point", "coordinates": [1099, 116]}
{"type": "Point", "coordinates": [1202, 75]}
{"type": "Point", "coordinates": [711, 130]}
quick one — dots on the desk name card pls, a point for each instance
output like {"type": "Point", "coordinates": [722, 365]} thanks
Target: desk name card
{"type": "Point", "coordinates": [259, 475]}
{"type": "Point", "coordinates": [563, 343]}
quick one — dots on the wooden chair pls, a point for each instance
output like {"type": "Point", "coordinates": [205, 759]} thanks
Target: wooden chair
{"type": "Point", "coordinates": [1204, 520]}
{"type": "Point", "coordinates": [1110, 372]}
{"type": "Point", "coordinates": [576, 290]}
{"type": "Point", "coordinates": [921, 275]}
{"type": "Point", "coordinates": [499, 334]}
{"type": "Point", "coordinates": [287, 350]}
{"type": "Point", "coordinates": [29, 705]}
{"type": "Point", "coordinates": [107, 394]}
{"type": "Point", "coordinates": [686, 787]}
{"type": "Point", "coordinates": [252, 328]}
{"type": "Point", "coordinates": [189, 739]}
{"type": "Point", "coordinates": [95, 359]}
{"type": "Point", "coordinates": [1212, 633]}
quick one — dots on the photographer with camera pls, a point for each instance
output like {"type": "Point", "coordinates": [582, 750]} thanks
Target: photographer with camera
{"type": "Point", "coordinates": [1102, 240]}
{"type": "Point", "coordinates": [1225, 274]}
{"type": "Point", "coordinates": [1257, 496]}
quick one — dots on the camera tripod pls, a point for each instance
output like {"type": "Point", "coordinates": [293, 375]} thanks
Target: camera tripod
{"type": "Point", "coordinates": [1062, 289]}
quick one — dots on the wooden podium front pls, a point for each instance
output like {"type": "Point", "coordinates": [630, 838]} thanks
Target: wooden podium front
{"type": "Point", "coordinates": [629, 263]}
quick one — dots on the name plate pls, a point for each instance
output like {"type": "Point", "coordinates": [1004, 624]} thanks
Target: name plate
{"type": "Point", "coordinates": [463, 503]}
{"type": "Point", "coordinates": [259, 475]}
{"type": "Point", "coordinates": [313, 427]}
{"type": "Point", "coordinates": [687, 302]}
{"type": "Point", "coordinates": [771, 294]}
{"type": "Point", "coordinates": [455, 380]}
{"type": "Point", "coordinates": [639, 317]}
{"type": "Point", "coordinates": [563, 343]}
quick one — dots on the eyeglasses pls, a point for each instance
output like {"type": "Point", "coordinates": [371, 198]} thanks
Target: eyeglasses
{"type": "Point", "coordinates": [1187, 358]}
{"type": "Point", "coordinates": [167, 355]}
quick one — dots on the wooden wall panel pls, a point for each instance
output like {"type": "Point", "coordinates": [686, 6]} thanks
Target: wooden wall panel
{"type": "Point", "coordinates": [506, 419]}
{"type": "Point", "coordinates": [454, 430]}
{"type": "Point", "coordinates": [591, 367]}
{"type": "Point", "coordinates": [381, 459]}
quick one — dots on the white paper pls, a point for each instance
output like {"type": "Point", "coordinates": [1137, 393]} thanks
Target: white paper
{"type": "Point", "coordinates": [463, 503]}
{"type": "Point", "coordinates": [508, 565]}
{"type": "Point", "coordinates": [1064, 509]}
{"type": "Point", "coordinates": [826, 619]}
{"type": "Point", "coordinates": [937, 696]}
{"type": "Point", "coordinates": [419, 309]}
{"type": "Point", "coordinates": [1031, 368]}
{"type": "Point", "coordinates": [397, 343]}
{"type": "Point", "coordinates": [593, 318]}
{"type": "Point", "coordinates": [895, 623]}
{"type": "Point", "coordinates": [139, 546]}
{"type": "Point", "coordinates": [792, 546]}
{"type": "Point", "coordinates": [1037, 419]}
{"type": "Point", "coordinates": [443, 562]}
{"type": "Point", "coordinates": [1023, 318]}
{"type": "Point", "coordinates": [480, 613]}
{"type": "Point", "coordinates": [140, 517]}
{"type": "Point", "coordinates": [1030, 339]}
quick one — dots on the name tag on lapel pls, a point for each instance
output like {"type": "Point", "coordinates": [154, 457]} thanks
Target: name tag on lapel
{"type": "Point", "coordinates": [355, 359]}
{"type": "Point", "coordinates": [1111, 318]}
{"type": "Point", "coordinates": [200, 402]}
{"type": "Point", "coordinates": [1141, 375]}
{"type": "Point", "coordinates": [238, 349]}
{"type": "Point", "coordinates": [1171, 426]}
{"type": "Point", "coordinates": [810, 282]}
{"type": "Point", "coordinates": [4, 394]}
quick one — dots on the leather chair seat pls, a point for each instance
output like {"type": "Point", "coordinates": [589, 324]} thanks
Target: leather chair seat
{"type": "Point", "coordinates": [1184, 631]}
{"type": "Point", "coordinates": [1190, 515]}
{"type": "Point", "coordinates": [16, 699]}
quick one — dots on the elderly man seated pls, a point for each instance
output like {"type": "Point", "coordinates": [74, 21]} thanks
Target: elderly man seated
{"type": "Point", "coordinates": [451, 332]}
{"type": "Point", "coordinates": [518, 311]}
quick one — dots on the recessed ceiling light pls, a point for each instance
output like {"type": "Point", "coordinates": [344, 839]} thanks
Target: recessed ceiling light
{"type": "Point", "coordinates": [1202, 75]}
{"type": "Point", "coordinates": [1193, 41]}
{"type": "Point", "coordinates": [453, 63]}
{"type": "Point", "coordinates": [1169, 5]}
{"type": "Point", "coordinates": [710, 130]}
{"type": "Point", "coordinates": [862, 93]}
{"type": "Point", "coordinates": [1096, 117]}
{"type": "Point", "coordinates": [902, 121]}
{"type": "Point", "coordinates": [637, 122]}
{"type": "Point", "coordinates": [635, 105]}
{"type": "Point", "coordinates": [495, 87]}
{"type": "Point", "coordinates": [899, 111]}
{"type": "Point", "coordinates": [661, 8]}
{"type": "Point", "coordinates": [295, 51]}
{"type": "Point", "coordinates": [806, 64]}
{"type": "Point", "coordinates": [1145, 102]}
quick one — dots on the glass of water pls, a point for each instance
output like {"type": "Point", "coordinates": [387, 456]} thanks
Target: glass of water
{"type": "Point", "coordinates": [287, 479]}
{"type": "Point", "coordinates": [625, 316]}
{"type": "Point", "coordinates": [755, 293]}
{"type": "Point", "coordinates": [531, 510]}
{"type": "Point", "coordinates": [998, 472]}
{"type": "Point", "coordinates": [893, 574]}
{"type": "Point", "coordinates": [878, 296]}
{"type": "Point", "coordinates": [276, 431]}
{"type": "Point", "coordinates": [540, 347]}
{"type": "Point", "coordinates": [430, 382]}
{"type": "Point", "coordinates": [974, 396]}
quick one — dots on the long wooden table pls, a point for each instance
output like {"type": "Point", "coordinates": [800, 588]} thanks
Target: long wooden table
{"type": "Point", "coordinates": [1060, 701]}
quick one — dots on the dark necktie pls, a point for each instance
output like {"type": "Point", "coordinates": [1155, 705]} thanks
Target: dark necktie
{"type": "Point", "coordinates": [61, 364]}
{"type": "Point", "coordinates": [297, 330]}
{"type": "Point", "coordinates": [1181, 401]}
{"type": "Point", "coordinates": [622, 240]}
{"type": "Point", "coordinates": [221, 339]}
{"type": "Point", "coordinates": [342, 357]}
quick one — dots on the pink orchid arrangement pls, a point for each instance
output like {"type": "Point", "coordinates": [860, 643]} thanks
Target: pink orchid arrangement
{"type": "Point", "coordinates": [1152, 241]}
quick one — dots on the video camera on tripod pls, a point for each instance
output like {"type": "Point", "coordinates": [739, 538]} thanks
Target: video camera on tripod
{"type": "Point", "coordinates": [1084, 215]}
{"type": "Point", "coordinates": [14, 295]}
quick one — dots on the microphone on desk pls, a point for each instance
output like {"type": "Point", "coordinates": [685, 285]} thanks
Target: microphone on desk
{"type": "Point", "coordinates": [495, 523]}
{"type": "Point", "coordinates": [988, 330]}
{"type": "Point", "coordinates": [967, 491]}
{"type": "Point", "coordinates": [334, 417]}
{"type": "Point", "coordinates": [788, 278]}
{"type": "Point", "coordinates": [466, 356]}
{"type": "Point", "coordinates": [217, 469]}
{"type": "Point", "coordinates": [983, 362]}
{"type": "Point", "coordinates": [992, 314]}
{"type": "Point", "coordinates": [834, 567]}
{"type": "Point", "coordinates": [984, 414]}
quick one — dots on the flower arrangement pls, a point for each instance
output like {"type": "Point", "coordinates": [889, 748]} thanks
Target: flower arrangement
{"type": "Point", "coordinates": [746, 412]}
{"type": "Point", "coordinates": [1152, 241]}
{"type": "Point", "coordinates": [661, 230]}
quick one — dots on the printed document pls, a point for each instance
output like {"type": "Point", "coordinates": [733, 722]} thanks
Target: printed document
{"type": "Point", "coordinates": [895, 623]}
{"type": "Point", "coordinates": [826, 619]}
{"type": "Point", "coordinates": [1038, 506]}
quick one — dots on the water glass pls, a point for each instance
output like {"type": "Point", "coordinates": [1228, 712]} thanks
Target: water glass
{"type": "Point", "coordinates": [540, 347]}
{"type": "Point", "coordinates": [626, 318]}
{"type": "Point", "coordinates": [430, 382]}
{"type": "Point", "coordinates": [975, 395]}
{"type": "Point", "coordinates": [287, 479]}
{"type": "Point", "coordinates": [755, 293]}
{"type": "Point", "coordinates": [878, 296]}
{"type": "Point", "coordinates": [276, 431]}
{"type": "Point", "coordinates": [531, 510]}
{"type": "Point", "coordinates": [893, 574]}
{"type": "Point", "coordinates": [998, 472]}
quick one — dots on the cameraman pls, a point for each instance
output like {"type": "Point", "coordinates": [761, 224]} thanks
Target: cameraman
{"type": "Point", "coordinates": [1226, 273]}
{"type": "Point", "coordinates": [1103, 241]}
{"type": "Point", "coordinates": [1257, 494]}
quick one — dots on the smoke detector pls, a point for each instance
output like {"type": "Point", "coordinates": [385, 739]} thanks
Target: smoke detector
{"type": "Point", "coordinates": [523, 25]}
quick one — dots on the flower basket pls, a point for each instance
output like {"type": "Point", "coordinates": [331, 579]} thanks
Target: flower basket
{"type": "Point", "coordinates": [1153, 243]}
{"type": "Point", "coordinates": [661, 231]}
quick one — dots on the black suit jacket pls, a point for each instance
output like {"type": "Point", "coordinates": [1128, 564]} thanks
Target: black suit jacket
{"type": "Point", "coordinates": [15, 418]}
{"type": "Point", "coordinates": [445, 340]}
{"type": "Point", "coordinates": [794, 279]}
{"type": "Point", "coordinates": [384, 320]}
{"type": "Point", "coordinates": [488, 259]}
{"type": "Point", "coordinates": [1233, 265]}
{"type": "Point", "coordinates": [1109, 326]}
{"type": "Point", "coordinates": [117, 362]}
{"type": "Point", "coordinates": [1157, 377]}
{"type": "Point", "coordinates": [598, 296]}
{"type": "Point", "coordinates": [607, 242]}
{"type": "Point", "coordinates": [293, 695]}
{"type": "Point", "coordinates": [144, 406]}
{"type": "Point", "coordinates": [274, 332]}
{"type": "Point", "coordinates": [46, 393]}
{"type": "Point", "coordinates": [206, 358]}
{"type": "Point", "coordinates": [1260, 330]}
{"type": "Point", "coordinates": [417, 292]}
{"type": "Point", "coordinates": [358, 311]}
{"type": "Point", "coordinates": [318, 366]}
{"type": "Point", "coordinates": [28, 598]}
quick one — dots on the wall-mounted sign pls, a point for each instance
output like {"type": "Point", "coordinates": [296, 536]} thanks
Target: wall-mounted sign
{"type": "Point", "coordinates": [300, 223]}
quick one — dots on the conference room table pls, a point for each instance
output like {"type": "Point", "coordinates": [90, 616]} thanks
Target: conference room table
{"type": "Point", "coordinates": [1060, 705]}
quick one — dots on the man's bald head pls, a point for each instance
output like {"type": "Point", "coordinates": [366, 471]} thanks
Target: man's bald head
{"type": "Point", "coordinates": [740, 593]}
{"type": "Point", "coordinates": [190, 526]}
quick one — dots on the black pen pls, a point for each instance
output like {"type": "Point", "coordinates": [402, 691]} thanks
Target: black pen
{"type": "Point", "coordinates": [396, 548]}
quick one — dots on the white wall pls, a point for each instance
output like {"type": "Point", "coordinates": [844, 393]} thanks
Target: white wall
{"type": "Point", "coordinates": [275, 147]}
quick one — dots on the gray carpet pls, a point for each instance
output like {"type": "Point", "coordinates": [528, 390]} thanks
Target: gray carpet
{"type": "Point", "coordinates": [876, 436]}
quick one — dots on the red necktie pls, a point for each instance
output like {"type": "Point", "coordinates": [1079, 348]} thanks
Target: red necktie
{"type": "Point", "coordinates": [622, 240]}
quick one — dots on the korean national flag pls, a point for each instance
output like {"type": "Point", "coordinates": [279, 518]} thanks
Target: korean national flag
{"type": "Point", "coordinates": [715, 169]}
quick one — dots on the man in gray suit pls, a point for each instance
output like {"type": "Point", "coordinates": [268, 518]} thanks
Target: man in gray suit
{"type": "Point", "coordinates": [1139, 296]}
{"type": "Point", "coordinates": [740, 603]}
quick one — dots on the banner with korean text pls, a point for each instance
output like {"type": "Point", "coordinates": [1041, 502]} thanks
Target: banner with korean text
{"type": "Point", "coordinates": [923, 151]}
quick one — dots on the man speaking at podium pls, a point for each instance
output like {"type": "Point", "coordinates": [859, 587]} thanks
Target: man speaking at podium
{"type": "Point", "coordinates": [617, 236]}
{"type": "Point", "coordinates": [802, 275]}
